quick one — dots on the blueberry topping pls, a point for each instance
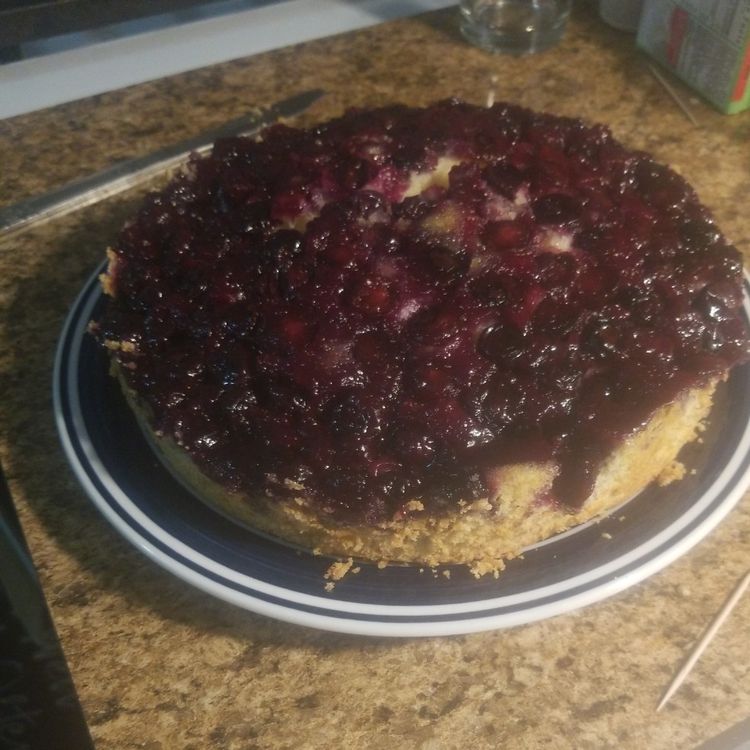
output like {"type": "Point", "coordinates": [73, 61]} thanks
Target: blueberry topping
{"type": "Point", "coordinates": [293, 315]}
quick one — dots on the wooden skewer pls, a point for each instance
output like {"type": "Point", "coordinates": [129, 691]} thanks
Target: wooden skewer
{"type": "Point", "coordinates": [700, 647]}
{"type": "Point", "coordinates": [675, 96]}
{"type": "Point", "coordinates": [491, 92]}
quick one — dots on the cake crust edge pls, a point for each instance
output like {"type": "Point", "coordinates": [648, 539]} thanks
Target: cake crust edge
{"type": "Point", "coordinates": [481, 533]}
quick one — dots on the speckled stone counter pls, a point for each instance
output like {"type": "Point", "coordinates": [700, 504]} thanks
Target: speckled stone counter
{"type": "Point", "coordinates": [160, 665]}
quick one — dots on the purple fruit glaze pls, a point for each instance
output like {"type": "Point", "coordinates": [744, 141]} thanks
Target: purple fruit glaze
{"type": "Point", "coordinates": [541, 306]}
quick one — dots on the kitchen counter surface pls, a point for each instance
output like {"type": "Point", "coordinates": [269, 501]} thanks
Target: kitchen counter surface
{"type": "Point", "coordinates": [160, 665]}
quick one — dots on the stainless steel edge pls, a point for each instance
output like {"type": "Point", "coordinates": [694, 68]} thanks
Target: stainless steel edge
{"type": "Point", "coordinates": [736, 737]}
{"type": "Point", "coordinates": [127, 174]}
{"type": "Point", "coordinates": [40, 705]}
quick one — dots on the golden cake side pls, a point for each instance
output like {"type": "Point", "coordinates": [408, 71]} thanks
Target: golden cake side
{"type": "Point", "coordinates": [484, 532]}
{"type": "Point", "coordinates": [430, 335]}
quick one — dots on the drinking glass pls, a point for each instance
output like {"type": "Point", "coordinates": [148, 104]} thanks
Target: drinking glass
{"type": "Point", "coordinates": [516, 27]}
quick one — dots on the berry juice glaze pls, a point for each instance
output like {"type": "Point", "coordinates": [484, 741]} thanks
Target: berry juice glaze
{"type": "Point", "coordinates": [295, 316]}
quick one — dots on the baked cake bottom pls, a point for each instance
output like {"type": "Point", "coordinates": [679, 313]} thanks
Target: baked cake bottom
{"type": "Point", "coordinates": [481, 533]}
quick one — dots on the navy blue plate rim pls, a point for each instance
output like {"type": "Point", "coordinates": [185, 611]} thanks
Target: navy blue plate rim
{"type": "Point", "coordinates": [117, 468]}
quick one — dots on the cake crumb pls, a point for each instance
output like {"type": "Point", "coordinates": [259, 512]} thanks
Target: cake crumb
{"type": "Point", "coordinates": [606, 535]}
{"type": "Point", "coordinates": [356, 570]}
{"type": "Point", "coordinates": [483, 504]}
{"type": "Point", "coordinates": [338, 570]}
{"type": "Point", "coordinates": [621, 518]}
{"type": "Point", "coordinates": [330, 586]}
{"type": "Point", "coordinates": [382, 564]}
{"type": "Point", "coordinates": [484, 567]}
{"type": "Point", "coordinates": [120, 346]}
{"type": "Point", "coordinates": [447, 574]}
{"type": "Point", "coordinates": [672, 473]}
{"type": "Point", "coordinates": [107, 279]}
{"type": "Point", "coordinates": [414, 505]}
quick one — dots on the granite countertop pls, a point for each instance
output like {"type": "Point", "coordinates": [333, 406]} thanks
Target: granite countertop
{"type": "Point", "coordinates": [161, 665]}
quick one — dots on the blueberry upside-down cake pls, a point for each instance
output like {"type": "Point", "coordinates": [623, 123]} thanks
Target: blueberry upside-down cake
{"type": "Point", "coordinates": [432, 335]}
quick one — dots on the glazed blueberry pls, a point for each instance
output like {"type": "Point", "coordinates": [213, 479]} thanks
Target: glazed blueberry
{"type": "Point", "coordinates": [504, 178]}
{"type": "Point", "coordinates": [507, 234]}
{"type": "Point", "coordinates": [556, 208]}
{"type": "Point", "coordinates": [501, 343]}
{"type": "Point", "coordinates": [292, 314]}
{"type": "Point", "coordinates": [446, 262]}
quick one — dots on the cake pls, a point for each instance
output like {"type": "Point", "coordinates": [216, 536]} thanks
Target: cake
{"type": "Point", "coordinates": [428, 335]}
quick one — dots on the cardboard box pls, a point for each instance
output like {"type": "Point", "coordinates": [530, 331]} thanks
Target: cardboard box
{"type": "Point", "coordinates": [706, 43]}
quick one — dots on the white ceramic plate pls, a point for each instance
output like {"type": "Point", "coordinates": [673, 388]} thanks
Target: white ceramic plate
{"type": "Point", "coordinates": [142, 500]}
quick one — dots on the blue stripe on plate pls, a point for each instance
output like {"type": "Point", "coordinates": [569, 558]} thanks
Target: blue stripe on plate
{"type": "Point", "coordinates": [274, 563]}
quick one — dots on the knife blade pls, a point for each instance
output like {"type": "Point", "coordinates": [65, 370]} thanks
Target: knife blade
{"type": "Point", "coordinates": [132, 172]}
